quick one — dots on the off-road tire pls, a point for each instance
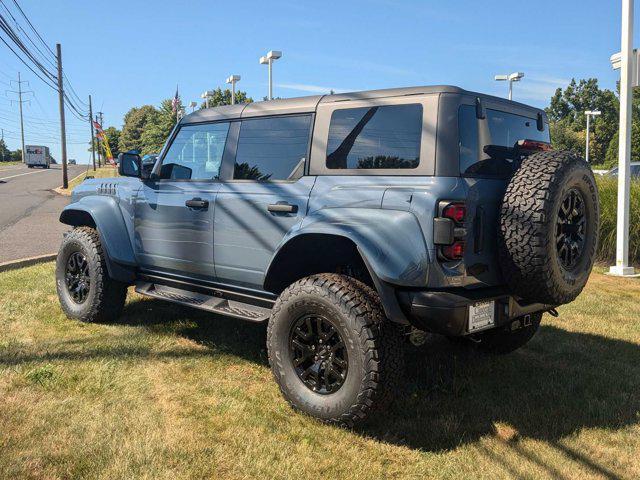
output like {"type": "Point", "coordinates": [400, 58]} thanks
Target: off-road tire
{"type": "Point", "coordinates": [528, 256]}
{"type": "Point", "coordinates": [106, 297]}
{"type": "Point", "coordinates": [503, 340]}
{"type": "Point", "coordinates": [374, 346]}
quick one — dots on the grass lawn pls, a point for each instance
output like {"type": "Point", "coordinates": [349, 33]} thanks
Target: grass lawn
{"type": "Point", "coordinates": [173, 393]}
{"type": "Point", "coordinates": [9, 164]}
{"type": "Point", "coordinates": [102, 172]}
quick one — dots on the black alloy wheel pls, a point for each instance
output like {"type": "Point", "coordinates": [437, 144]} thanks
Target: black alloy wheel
{"type": "Point", "coordinates": [77, 277]}
{"type": "Point", "coordinates": [318, 354]}
{"type": "Point", "coordinates": [571, 227]}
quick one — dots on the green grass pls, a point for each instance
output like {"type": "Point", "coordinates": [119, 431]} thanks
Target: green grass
{"type": "Point", "coordinates": [608, 190]}
{"type": "Point", "coordinates": [170, 392]}
{"type": "Point", "coordinates": [102, 172]}
{"type": "Point", "coordinates": [8, 164]}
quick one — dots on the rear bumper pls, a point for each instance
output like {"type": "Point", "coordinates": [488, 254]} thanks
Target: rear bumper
{"type": "Point", "coordinates": [447, 312]}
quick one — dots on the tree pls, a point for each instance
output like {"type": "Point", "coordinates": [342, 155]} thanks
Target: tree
{"type": "Point", "coordinates": [113, 134]}
{"type": "Point", "coordinates": [568, 122]}
{"type": "Point", "coordinates": [158, 128]}
{"type": "Point", "coordinates": [5, 153]}
{"type": "Point", "coordinates": [223, 97]}
{"type": "Point", "coordinates": [135, 123]}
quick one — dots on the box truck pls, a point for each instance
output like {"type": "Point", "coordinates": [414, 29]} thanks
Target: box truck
{"type": "Point", "coordinates": [37, 156]}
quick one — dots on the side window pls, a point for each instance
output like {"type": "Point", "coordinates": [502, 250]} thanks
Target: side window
{"type": "Point", "coordinates": [196, 152]}
{"type": "Point", "coordinates": [375, 137]}
{"type": "Point", "coordinates": [272, 148]}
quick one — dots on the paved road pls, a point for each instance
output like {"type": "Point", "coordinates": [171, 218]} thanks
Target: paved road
{"type": "Point", "coordinates": [29, 210]}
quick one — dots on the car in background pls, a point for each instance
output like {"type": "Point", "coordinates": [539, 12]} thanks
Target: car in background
{"type": "Point", "coordinates": [635, 171]}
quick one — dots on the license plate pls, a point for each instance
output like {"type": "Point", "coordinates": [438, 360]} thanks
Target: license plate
{"type": "Point", "coordinates": [482, 315]}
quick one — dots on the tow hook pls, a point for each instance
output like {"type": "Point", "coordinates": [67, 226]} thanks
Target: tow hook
{"type": "Point", "coordinates": [527, 320]}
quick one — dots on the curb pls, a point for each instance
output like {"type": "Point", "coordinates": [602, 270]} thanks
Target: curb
{"type": "Point", "coordinates": [26, 262]}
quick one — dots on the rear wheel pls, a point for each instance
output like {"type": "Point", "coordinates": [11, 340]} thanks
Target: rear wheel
{"type": "Point", "coordinates": [85, 289]}
{"type": "Point", "coordinates": [332, 352]}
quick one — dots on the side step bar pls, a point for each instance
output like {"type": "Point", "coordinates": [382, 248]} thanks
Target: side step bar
{"type": "Point", "coordinates": [222, 306]}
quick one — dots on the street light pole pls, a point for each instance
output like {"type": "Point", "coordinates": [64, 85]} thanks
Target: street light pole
{"type": "Point", "coordinates": [236, 78]}
{"type": "Point", "coordinates": [268, 59]}
{"type": "Point", "coordinates": [589, 113]}
{"type": "Point", "coordinates": [622, 267]}
{"type": "Point", "coordinates": [512, 77]}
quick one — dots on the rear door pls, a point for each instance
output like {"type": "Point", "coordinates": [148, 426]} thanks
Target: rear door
{"type": "Point", "coordinates": [486, 176]}
{"type": "Point", "coordinates": [265, 194]}
{"type": "Point", "coordinates": [174, 213]}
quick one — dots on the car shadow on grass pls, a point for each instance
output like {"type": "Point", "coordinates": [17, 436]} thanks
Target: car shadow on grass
{"type": "Point", "coordinates": [559, 383]}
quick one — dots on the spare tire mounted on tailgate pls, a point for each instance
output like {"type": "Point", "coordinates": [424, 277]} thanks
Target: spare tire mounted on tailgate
{"type": "Point", "coordinates": [549, 227]}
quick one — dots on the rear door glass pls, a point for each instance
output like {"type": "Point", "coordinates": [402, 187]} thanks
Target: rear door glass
{"type": "Point", "coordinates": [500, 129]}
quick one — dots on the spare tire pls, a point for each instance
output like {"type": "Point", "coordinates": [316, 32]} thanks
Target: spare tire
{"type": "Point", "coordinates": [549, 227]}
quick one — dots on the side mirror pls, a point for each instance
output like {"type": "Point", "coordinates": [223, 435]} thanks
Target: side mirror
{"type": "Point", "coordinates": [129, 165]}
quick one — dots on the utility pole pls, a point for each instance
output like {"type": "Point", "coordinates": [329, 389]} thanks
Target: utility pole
{"type": "Point", "coordinates": [20, 102]}
{"type": "Point", "coordinates": [3, 146]}
{"type": "Point", "coordinates": [93, 138]}
{"type": "Point", "coordinates": [21, 119]}
{"type": "Point", "coordinates": [63, 134]}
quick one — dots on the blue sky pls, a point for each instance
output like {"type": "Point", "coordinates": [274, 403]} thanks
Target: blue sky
{"type": "Point", "coordinates": [130, 53]}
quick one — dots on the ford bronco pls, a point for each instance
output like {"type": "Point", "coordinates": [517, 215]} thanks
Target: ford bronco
{"type": "Point", "coordinates": [346, 222]}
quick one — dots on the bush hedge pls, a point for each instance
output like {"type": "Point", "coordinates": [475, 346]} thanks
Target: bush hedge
{"type": "Point", "coordinates": [608, 189]}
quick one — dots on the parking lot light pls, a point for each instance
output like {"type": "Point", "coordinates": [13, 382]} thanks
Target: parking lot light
{"type": "Point", "coordinates": [233, 79]}
{"type": "Point", "coordinates": [512, 77]}
{"type": "Point", "coordinates": [205, 95]}
{"type": "Point", "coordinates": [268, 59]}
{"type": "Point", "coordinates": [589, 114]}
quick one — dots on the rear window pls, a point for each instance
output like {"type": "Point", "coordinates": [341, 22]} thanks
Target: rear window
{"type": "Point", "coordinates": [385, 137]}
{"type": "Point", "coordinates": [500, 129]}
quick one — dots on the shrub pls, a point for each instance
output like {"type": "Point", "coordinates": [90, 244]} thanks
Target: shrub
{"type": "Point", "coordinates": [608, 189]}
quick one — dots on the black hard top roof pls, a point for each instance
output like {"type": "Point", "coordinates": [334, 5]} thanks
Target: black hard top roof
{"type": "Point", "coordinates": [309, 103]}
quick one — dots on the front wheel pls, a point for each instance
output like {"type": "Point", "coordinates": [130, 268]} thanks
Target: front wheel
{"type": "Point", "coordinates": [85, 289]}
{"type": "Point", "coordinates": [332, 352]}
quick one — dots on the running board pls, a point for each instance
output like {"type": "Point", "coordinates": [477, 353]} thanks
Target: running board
{"type": "Point", "coordinates": [222, 306]}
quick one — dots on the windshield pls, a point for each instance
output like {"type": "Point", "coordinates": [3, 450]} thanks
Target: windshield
{"type": "Point", "coordinates": [498, 129]}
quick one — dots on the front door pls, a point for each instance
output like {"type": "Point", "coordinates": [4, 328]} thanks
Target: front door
{"type": "Point", "coordinates": [174, 213]}
{"type": "Point", "coordinates": [267, 196]}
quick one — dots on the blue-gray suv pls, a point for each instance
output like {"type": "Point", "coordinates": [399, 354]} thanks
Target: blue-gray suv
{"type": "Point", "coordinates": [348, 223]}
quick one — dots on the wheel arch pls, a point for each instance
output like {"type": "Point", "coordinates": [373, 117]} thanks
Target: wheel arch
{"type": "Point", "coordinates": [103, 214]}
{"type": "Point", "coordinates": [312, 253]}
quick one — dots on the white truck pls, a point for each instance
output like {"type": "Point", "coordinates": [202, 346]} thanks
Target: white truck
{"type": "Point", "coordinates": [37, 156]}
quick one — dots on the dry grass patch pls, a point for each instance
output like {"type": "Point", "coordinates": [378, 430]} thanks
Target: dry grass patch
{"type": "Point", "coordinates": [102, 172]}
{"type": "Point", "coordinates": [174, 393]}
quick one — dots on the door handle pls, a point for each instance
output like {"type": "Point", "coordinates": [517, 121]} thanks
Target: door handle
{"type": "Point", "coordinates": [197, 203]}
{"type": "Point", "coordinates": [282, 208]}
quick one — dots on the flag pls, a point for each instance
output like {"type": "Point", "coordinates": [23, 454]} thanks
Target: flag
{"type": "Point", "coordinates": [176, 101]}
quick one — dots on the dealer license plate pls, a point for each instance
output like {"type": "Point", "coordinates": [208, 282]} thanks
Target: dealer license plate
{"type": "Point", "coordinates": [482, 315]}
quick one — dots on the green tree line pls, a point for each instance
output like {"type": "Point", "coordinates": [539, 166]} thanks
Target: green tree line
{"type": "Point", "coordinates": [146, 128]}
{"type": "Point", "coordinates": [568, 122]}
{"type": "Point", "coordinates": [7, 155]}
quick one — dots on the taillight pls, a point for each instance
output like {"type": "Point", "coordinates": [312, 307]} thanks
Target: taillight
{"type": "Point", "coordinates": [534, 145]}
{"type": "Point", "coordinates": [455, 251]}
{"type": "Point", "coordinates": [455, 211]}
